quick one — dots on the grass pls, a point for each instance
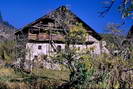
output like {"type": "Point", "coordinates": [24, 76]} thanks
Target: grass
{"type": "Point", "coordinates": [50, 79]}
{"type": "Point", "coordinates": [7, 74]}
{"type": "Point", "coordinates": [37, 79]}
{"type": "Point", "coordinates": [52, 74]}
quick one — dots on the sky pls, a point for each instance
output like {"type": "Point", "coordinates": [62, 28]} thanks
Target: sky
{"type": "Point", "coordinates": [22, 12]}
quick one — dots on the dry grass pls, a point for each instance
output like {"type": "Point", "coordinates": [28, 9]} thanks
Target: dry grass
{"type": "Point", "coordinates": [50, 79]}
{"type": "Point", "coordinates": [38, 79]}
{"type": "Point", "coordinates": [6, 74]}
{"type": "Point", "coordinates": [52, 74]}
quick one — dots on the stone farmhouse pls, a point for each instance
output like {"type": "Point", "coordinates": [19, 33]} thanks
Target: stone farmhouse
{"type": "Point", "coordinates": [46, 35]}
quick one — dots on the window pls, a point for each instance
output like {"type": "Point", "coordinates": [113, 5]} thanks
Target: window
{"type": "Point", "coordinates": [35, 57]}
{"type": "Point", "coordinates": [39, 47]}
{"type": "Point", "coordinates": [58, 48]}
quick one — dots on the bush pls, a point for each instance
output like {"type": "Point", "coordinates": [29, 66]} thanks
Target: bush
{"type": "Point", "coordinates": [7, 52]}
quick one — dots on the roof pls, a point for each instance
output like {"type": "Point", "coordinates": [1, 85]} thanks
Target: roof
{"type": "Point", "coordinates": [91, 31]}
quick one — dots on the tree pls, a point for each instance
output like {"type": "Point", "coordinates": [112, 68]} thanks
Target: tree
{"type": "Point", "coordinates": [1, 18]}
{"type": "Point", "coordinates": [118, 44]}
{"type": "Point", "coordinates": [74, 59]}
{"type": "Point", "coordinates": [125, 7]}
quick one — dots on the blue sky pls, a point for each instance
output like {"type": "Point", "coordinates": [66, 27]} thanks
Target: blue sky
{"type": "Point", "coordinates": [22, 12]}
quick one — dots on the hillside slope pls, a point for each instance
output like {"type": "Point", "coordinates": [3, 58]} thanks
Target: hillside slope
{"type": "Point", "coordinates": [6, 30]}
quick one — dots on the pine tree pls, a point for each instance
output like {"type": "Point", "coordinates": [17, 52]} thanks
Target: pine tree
{"type": "Point", "coordinates": [1, 18]}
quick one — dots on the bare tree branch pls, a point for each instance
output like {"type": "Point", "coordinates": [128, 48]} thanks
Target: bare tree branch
{"type": "Point", "coordinates": [107, 8]}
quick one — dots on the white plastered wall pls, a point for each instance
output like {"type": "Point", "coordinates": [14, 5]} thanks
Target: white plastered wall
{"type": "Point", "coordinates": [46, 49]}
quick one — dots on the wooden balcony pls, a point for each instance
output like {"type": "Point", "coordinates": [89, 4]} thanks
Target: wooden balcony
{"type": "Point", "coordinates": [45, 36]}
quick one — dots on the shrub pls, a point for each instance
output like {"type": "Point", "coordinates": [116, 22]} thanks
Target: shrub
{"type": "Point", "coordinates": [7, 52]}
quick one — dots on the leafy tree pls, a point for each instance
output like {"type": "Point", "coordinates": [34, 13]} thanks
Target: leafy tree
{"type": "Point", "coordinates": [74, 59]}
{"type": "Point", "coordinates": [77, 34]}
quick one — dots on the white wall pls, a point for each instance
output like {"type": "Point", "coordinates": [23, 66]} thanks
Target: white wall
{"type": "Point", "coordinates": [32, 48]}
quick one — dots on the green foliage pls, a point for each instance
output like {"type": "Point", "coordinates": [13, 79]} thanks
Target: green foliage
{"type": "Point", "coordinates": [87, 60]}
{"type": "Point", "coordinates": [78, 77]}
{"type": "Point", "coordinates": [87, 72]}
{"type": "Point", "coordinates": [110, 73]}
{"type": "Point", "coordinates": [77, 34]}
{"type": "Point", "coordinates": [77, 67]}
{"type": "Point", "coordinates": [73, 59]}
{"type": "Point", "coordinates": [7, 50]}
